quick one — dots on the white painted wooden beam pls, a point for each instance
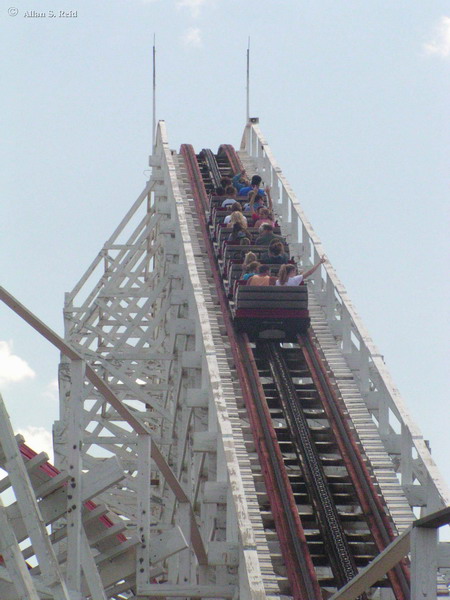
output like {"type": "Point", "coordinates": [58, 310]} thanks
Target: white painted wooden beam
{"type": "Point", "coordinates": [383, 563]}
{"type": "Point", "coordinates": [14, 561]}
{"type": "Point", "coordinates": [197, 398]}
{"type": "Point", "coordinates": [29, 509]}
{"type": "Point", "coordinates": [143, 511]}
{"type": "Point", "coordinates": [74, 466]}
{"type": "Point", "coordinates": [90, 571]}
{"type": "Point", "coordinates": [204, 441]}
{"type": "Point", "coordinates": [223, 553]}
{"type": "Point", "coordinates": [424, 542]}
{"type": "Point", "coordinates": [215, 492]}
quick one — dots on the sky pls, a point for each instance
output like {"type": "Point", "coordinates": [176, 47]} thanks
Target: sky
{"type": "Point", "coordinates": [352, 97]}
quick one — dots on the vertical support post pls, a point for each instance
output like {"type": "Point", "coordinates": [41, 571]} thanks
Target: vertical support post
{"type": "Point", "coordinates": [317, 276]}
{"type": "Point", "coordinates": [364, 369]}
{"type": "Point", "coordinates": [346, 332]}
{"type": "Point", "coordinates": [143, 511]}
{"type": "Point", "coordinates": [383, 421]}
{"type": "Point", "coordinates": [406, 459]}
{"type": "Point", "coordinates": [275, 191]}
{"type": "Point", "coordinates": [254, 144]}
{"type": "Point", "coordinates": [74, 467]}
{"type": "Point", "coordinates": [294, 227]}
{"type": "Point", "coordinates": [306, 245]}
{"type": "Point", "coordinates": [60, 427]}
{"type": "Point", "coordinates": [330, 301]}
{"type": "Point", "coordinates": [184, 557]}
{"type": "Point", "coordinates": [424, 543]}
{"type": "Point", "coordinates": [285, 212]}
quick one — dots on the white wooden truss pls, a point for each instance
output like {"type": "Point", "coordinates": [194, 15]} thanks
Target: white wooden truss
{"type": "Point", "coordinates": [149, 426]}
{"type": "Point", "coordinates": [140, 319]}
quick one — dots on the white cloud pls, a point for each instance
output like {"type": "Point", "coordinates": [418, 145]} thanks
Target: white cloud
{"type": "Point", "coordinates": [12, 367]}
{"type": "Point", "coordinates": [193, 37]}
{"type": "Point", "coordinates": [39, 439]}
{"type": "Point", "coordinates": [51, 391]}
{"type": "Point", "coordinates": [439, 45]}
{"type": "Point", "coordinates": [194, 6]}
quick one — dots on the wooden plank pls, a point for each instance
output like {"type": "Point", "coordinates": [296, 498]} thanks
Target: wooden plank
{"type": "Point", "coordinates": [223, 553]}
{"type": "Point", "coordinates": [197, 398]}
{"type": "Point", "coordinates": [14, 561]}
{"type": "Point", "coordinates": [383, 563]}
{"type": "Point", "coordinates": [51, 485]}
{"type": "Point", "coordinates": [90, 570]}
{"type": "Point", "coordinates": [165, 590]}
{"type": "Point", "coordinates": [30, 465]}
{"type": "Point", "coordinates": [215, 492]}
{"type": "Point", "coordinates": [166, 544]}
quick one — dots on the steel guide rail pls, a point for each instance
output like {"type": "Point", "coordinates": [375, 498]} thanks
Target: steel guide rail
{"type": "Point", "coordinates": [343, 564]}
{"type": "Point", "coordinates": [211, 164]}
{"type": "Point", "coordinates": [287, 519]}
{"type": "Point", "coordinates": [302, 577]}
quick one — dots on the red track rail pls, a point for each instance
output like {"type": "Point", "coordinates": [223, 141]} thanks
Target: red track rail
{"type": "Point", "coordinates": [302, 577]}
{"type": "Point", "coordinates": [232, 156]}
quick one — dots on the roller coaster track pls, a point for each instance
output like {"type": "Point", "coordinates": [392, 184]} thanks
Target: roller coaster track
{"type": "Point", "coordinates": [336, 539]}
{"type": "Point", "coordinates": [197, 461]}
{"type": "Point", "coordinates": [300, 569]}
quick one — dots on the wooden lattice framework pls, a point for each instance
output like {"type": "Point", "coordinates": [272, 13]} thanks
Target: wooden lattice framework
{"type": "Point", "coordinates": [149, 424]}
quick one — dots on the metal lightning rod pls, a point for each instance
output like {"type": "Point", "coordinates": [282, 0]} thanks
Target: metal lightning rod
{"type": "Point", "coordinates": [154, 93]}
{"type": "Point", "coordinates": [248, 80]}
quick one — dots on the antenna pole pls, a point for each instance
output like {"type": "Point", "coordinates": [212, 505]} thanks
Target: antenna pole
{"type": "Point", "coordinates": [154, 93]}
{"type": "Point", "coordinates": [248, 80]}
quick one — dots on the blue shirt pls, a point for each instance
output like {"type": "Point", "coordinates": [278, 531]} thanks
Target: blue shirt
{"type": "Point", "coordinates": [245, 190]}
{"type": "Point", "coordinates": [236, 182]}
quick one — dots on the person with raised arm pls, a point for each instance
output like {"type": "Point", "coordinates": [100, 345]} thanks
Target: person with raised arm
{"type": "Point", "coordinates": [258, 198]}
{"type": "Point", "coordinates": [240, 181]}
{"type": "Point", "coordinates": [254, 185]}
{"type": "Point", "coordinates": [287, 276]}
